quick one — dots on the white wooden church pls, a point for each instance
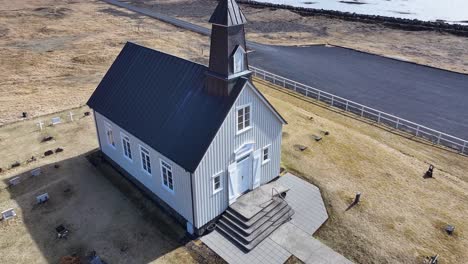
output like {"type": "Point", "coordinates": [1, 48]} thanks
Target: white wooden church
{"type": "Point", "coordinates": [194, 137]}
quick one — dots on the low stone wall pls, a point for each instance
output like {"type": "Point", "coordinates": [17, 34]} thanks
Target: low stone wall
{"type": "Point", "coordinates": [392, 22]}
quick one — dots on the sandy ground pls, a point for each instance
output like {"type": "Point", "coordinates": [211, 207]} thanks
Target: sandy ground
{"type": "Point", "coordinates": [283, 27]}
{"type": "Point", "coordinates": [402, 216]}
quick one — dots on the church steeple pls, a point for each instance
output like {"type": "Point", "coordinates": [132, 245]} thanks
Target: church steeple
{"type": "Point", "coordinates": [228, 57]}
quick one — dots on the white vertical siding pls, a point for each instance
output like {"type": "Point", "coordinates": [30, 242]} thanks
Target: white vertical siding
{"type": "Point", "coordinates": [180, 200]}
{"type": "Point", "coordinates": [266, 130]}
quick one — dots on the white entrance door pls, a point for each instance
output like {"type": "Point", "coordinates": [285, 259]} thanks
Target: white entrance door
{"type": "Point", "coordinates": [244, 174]}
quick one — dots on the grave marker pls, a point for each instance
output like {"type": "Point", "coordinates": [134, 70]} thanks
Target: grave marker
{"type": "Point", "coordinates": [40, 124]}
{"type": "Point", "coordinates": [36, 172]}
{"type": "Point", "coordinates": [42, 198]}
{"type": "Point", "coordinates": [15, 180]}
{"type": "Point", "coordinates": [7, 214]}
{"type": "Point", "coordinates": [56, 120]}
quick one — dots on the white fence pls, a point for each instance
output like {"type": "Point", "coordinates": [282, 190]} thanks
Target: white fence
{"type": "Point", "coordinates": [380, 117]}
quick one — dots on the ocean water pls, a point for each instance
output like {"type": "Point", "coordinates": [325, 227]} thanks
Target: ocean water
{"type": "Point", "coordinates": [450, 11]}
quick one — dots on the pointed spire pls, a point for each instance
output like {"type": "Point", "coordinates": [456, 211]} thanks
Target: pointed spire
{"type": "Point", "coordinates": [227, 13]}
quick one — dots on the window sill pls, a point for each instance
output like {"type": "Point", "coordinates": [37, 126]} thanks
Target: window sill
{"type": "Point", "coordinates": [147, 173]}
{"type": "Point", "coordinates": [168, 189]}
{"type": "Point", "coordinates": [217, 191]}
{"type": "Point", "coordinates": [265, 162]}
{"type": "Point", "coordinates": [243, 130]}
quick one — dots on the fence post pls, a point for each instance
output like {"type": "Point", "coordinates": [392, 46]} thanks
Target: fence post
{"type": "Point", "coordinates": [295, 86]}
{"type": "Point", "coordinates": [417, 131]}
{"type": "Point", "coordinates": [438, 139]}
{"type": "Point", "coordinates": [463, 148]}
{"type": "Point", "coordinates": [362, 111]}
{"type": "Point", "coordinates": [397, 122]}
{"type": "Point", "coordinates": [378, 118]}
{"type": "Point", "coordinates": [307, 90]}
{"type": "Point", "coordinates": [332, 100]}
{"type": "Point", "coordinates": [284, 83]}
{"type": "Point", "coordinates": [347, 102]}
{"type": "Point", "coordinates": [318, 96]}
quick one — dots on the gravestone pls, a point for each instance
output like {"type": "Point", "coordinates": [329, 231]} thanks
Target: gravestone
{"type": "Point", "coordinates": [56, 120]}
{"type": "Point", "coordinates": [36, 172]}
{"type": "Point", "coordinates": [42, 198]}
{"type": "Point", "coordinates": [7, 214]}
{"type": "Point", "coordinates": [15, 180]}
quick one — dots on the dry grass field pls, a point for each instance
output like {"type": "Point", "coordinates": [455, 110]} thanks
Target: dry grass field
{"type": "Point", "coordinates": [284, 27]}
{"type": "Point", "coordinates": [402, 216]}
{"type": "Point", "coordinates": [53, 54]}
{"type": "Point", "coordinates": [400, 219]}
{"type": "Point", "coordinates": [121, 226]}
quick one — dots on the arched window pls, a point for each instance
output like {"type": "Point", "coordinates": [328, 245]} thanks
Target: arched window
{"type": "Point", "coordinates": [238, 60]}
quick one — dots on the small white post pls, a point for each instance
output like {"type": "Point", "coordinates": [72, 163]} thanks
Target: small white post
{"type": "Point", "coordinates": [71, 116]}
{"type": "Point", "coordinates": [307, 91]}
{"type": "Point", "coordinates": [318, 96]}
{"type": "Point", "coordinates": [40, 124]}
{"type": "Point", "coordinates": [332, 101]}
{"type": "Point", "coordinates": [362, 111]}
{"type": "Point", "coordinates": [347, 103]}
{"type": "Point", "coordinates": [378, 118]}
{"type": "Point", "coordinates": [284, 83]}
{"type": "Point", "coordinates": [295, 85]}
{"type": "Point", "coordinates": [417, 131]}
{"type": "Point", "coordinates": [464, 146]}
{"type": "Point", "coordinates": [438, 139]}
{"type": "Point", "coordinates": [397, 123]}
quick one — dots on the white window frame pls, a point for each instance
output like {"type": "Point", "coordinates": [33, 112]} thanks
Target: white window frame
{"type": "Point", "coordinates": [126, 144]}
{"type": "Point", "coordinates": [145, 151]}
{"type": "Point", "coordinates": [165, 165]}
{"type": "Point", "coordinates": [268, 149]}
{"type": "Point", "coordinates": [213, 179]}
{"type": "Point", "coordinates": [109, 135]}
{"type": "Point", "coordinates": [238, 60]}
{"type": "Point", "coordinates": [244, 128]}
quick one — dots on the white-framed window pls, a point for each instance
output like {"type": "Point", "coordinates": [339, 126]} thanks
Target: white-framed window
{"type": "Point", "coordinates": [127, 150]}
{"type": "Point", "coordinates": [266, 154]}
{"type": "Point", "coordinates": [217, 182]}
{"type": "Point", "coordinates": [167, 177]}
{"type": "Point", "coordinates": [110, 135]}
{"type": "Point", "coordinates": [145, 160]}
{"type": "Point", "coordinates": [238, 60]}
{"type": "Point", "coordinates": [243, 118]}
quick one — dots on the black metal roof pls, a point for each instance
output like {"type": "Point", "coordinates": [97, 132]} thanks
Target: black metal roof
{"type": "Point", "coordinates": [160, 99]}
{"type": "Point", "coordinates": [228, 13]}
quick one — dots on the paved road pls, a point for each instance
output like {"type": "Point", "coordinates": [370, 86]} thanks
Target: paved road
{"type": "Point", "coordinates": [431, 97]}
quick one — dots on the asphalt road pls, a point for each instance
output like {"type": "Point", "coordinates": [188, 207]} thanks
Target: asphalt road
{"type": "Point", "coordinates": [431, 97]}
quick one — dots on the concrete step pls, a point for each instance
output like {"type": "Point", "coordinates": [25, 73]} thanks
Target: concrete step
{"type": "Point", "coordinates": [246, 223]}
{"type": "Point", "coordinates": [256, 230]}
{"type": "Point", "coordinates": [260, 237]}
{"type": "Point", "coordinates": [247, 229]}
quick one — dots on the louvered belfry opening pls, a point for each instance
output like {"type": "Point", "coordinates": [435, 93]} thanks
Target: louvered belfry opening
{"type": "Point", "coordinates": [227, 38]}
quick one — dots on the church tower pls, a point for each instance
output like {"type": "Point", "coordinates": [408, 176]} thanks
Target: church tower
{"type": "Point", "coordinates": [228, 57]}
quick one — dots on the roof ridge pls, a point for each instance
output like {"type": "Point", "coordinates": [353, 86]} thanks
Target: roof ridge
{"type": "Point", "coordinates": [167, 54]}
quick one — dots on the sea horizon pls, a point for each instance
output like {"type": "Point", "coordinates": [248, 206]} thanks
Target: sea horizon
{"type": "Point", "coordinates": [450, 11]}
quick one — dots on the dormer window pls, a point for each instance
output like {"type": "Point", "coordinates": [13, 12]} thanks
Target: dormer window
{"type": "Point", "coordinates": [238, 59]}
